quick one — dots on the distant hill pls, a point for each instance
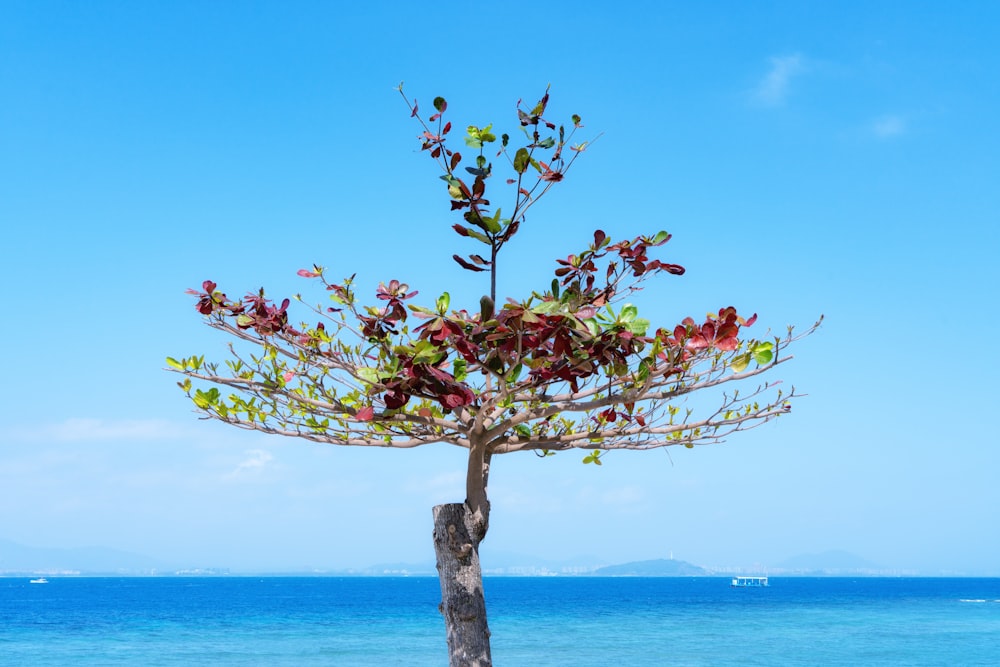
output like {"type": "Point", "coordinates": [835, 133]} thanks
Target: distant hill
{"type": "Point", "coordinates": [652, 568]}
{"type": "Point", "coordinates": [19, 559]}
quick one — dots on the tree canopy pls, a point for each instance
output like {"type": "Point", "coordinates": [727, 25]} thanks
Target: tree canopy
{"type": "Point", "coordinates": [572, 365]}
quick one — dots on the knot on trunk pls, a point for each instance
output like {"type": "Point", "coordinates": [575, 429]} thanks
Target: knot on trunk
{"type": "Point", "coordinates": [458, 543]}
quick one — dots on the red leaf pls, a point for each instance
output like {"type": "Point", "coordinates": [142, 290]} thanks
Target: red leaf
{"type": "Point", "coordinates": [365, 414]}
{"type": "Point", "coordinates": [727, 344]}
{"type": "Point", "coordinates": [453, 400]}
{"type": "Point", "coordinates": [697, 342]}
{"type": "Point", "coordinates": [466, 265]}
{"type": "Point", "coordinates": [306, 273]}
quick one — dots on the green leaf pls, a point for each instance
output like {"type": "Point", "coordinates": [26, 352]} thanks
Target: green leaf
{"type": "Point", "coordinates": [472, 139]}
{"type": "Point", "coordinates": [369, 375]}
{"type": "Point", "coordinates": [479, 236]}
{"type": "Point", "coordinates": [629, 313]}
{"type": "Point", "coordinates": [521, 160]}
{"type": "Point", "coordinates": [204, 399]}
{"type": "Point", "coordinates": [645, 367]}
{"type": "Point", "coordinates": [763, 353]}
{"type": "Point", "coordinates": [547, 142]}
{"type": "Point", "coordinates": [173, 363]}
{"type": "Point", "coordinates": [638, 326]}
{"type": "Point", "coordinates": [244, 320]}
{"type": "Point", "coordinates": [740, 363]}
{"type": "Point", "coordinates": [458, 368]}
{"type": "Point", "coordinates": [493, 224]}
{"type": "Point", "coordinates": [425, 352]}
{"type": "Point", "coordinates": [523, 430]}
{"type": "Point", "coordinates": [443, 302]}
{"type": "Point", "coordinates": [439, 104]}
{"type": "Point", "coordinates": [547, 308]}
{"type": "Point", "coordinates": [576, 119]}
{"type": "Point", "coordinates": [660, 237]}
{"type": "Point", "coordinates": [515, 373]}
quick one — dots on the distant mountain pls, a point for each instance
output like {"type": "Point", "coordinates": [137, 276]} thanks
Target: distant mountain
{"type": "Point", "coordinates": [17, 559]}
{"type": "Point", "coordinates": [834, 561]}
{"type": "Point", "coordinates": [20, 559]}
{"type": "Point", "coordinates": [652, 568]}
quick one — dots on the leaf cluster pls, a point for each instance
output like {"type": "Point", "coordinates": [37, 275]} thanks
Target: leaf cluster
{"type": "Point", "coordinates": [571, 366]}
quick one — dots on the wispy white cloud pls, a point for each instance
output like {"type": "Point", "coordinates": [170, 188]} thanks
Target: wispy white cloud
{"type": "Point", "coordinates": [886, 127]}
{"type": "Point", "coordinates": [89, 430]}
{"type": "Point", "coordinates": [256, 460]}
{"type": "Point", "coordinates": [773, 88]}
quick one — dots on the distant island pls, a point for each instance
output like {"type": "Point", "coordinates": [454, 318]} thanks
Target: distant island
{"type": "Point", "coordinates": [20, 560]}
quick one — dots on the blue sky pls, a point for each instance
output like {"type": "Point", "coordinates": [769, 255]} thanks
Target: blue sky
{"type": "Point", "coordinates": [808, 159]}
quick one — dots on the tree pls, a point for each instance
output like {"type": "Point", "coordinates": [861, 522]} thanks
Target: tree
{"type": "Point", "coordinates": [572, 366]}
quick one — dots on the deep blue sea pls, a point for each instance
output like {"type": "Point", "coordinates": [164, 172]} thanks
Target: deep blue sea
{"type": "Point", "coordinates": [536, 622]}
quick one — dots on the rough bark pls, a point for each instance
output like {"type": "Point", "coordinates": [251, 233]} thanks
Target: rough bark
{"type": "Point", "coordinates": [457, 534]}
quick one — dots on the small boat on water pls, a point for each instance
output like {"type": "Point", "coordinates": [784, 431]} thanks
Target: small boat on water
{"type": "Point", "coordinates": [749, 582]}
{"type": "Point", "coordinates": [39, 580]}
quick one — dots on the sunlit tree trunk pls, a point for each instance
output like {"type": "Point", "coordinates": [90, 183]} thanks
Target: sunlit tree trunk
{"type": "Point", "coordinates": [458, 530]}
{"type": "Point", "coordinates": [457, 534]}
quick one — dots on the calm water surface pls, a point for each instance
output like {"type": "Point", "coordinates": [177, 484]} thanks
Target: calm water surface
{"type": "Point", "coordinates": [558, 621]}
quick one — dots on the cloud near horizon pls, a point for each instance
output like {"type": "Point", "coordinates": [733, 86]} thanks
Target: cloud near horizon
{"type": "Point", "coordinates": [773, 88]}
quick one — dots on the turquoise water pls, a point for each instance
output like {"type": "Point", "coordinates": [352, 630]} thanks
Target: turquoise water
{"type": "Point", "coordinates": [559, 621]}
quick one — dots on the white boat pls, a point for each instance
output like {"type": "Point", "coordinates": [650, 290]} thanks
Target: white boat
{"type": "Point", "coordinates": [749, 582]}
{"type": "Point", "coordinates": [39, 580]}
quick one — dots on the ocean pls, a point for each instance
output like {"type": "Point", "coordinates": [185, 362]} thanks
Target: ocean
{"type": "Point", "coordinates": [535, 621]}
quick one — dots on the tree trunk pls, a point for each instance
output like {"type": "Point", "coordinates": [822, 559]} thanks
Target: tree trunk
{"type": "Point", "coordinates": [457, 533]}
